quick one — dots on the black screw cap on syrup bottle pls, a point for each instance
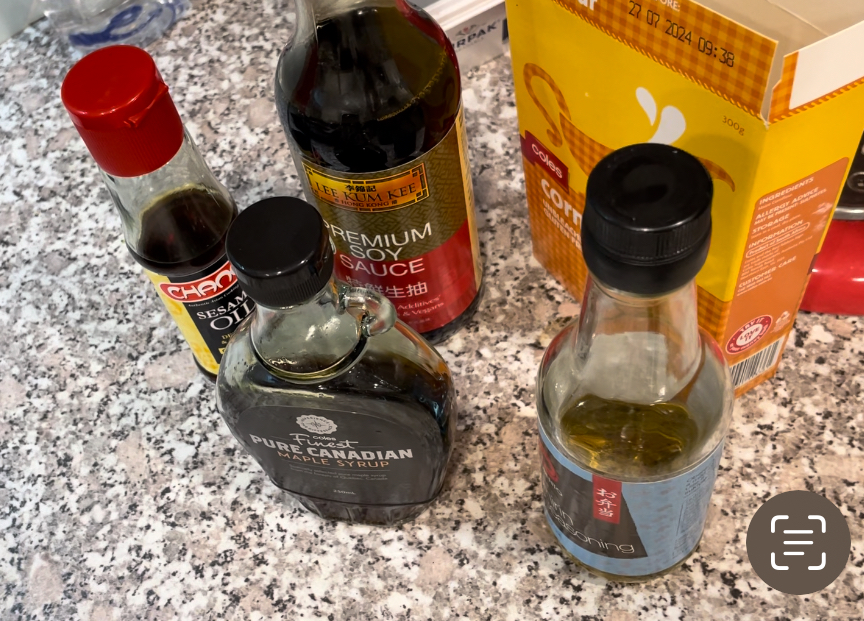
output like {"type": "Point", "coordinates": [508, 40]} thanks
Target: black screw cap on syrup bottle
{"type": "Point", "coordinates": [281, 252]}
{"type": "Point", "coordinates": [175, 213]}
{"type": "Point", "coordinates": [647, 222]}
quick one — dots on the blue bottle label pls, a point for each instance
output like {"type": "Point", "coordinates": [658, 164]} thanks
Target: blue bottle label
{"type": "Point", "coordinates": [628, 529]}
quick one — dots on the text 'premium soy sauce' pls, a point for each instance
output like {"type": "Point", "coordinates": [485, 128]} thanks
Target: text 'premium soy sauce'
{"type": "Point", "coordinates": [175, 213]}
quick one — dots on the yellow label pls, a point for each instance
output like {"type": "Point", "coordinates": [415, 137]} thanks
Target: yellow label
{"type": "Point", "coordinates": [364, 194]}
{"type": "Point", "coordinates": [408, 231]}
{"type": "Point", "coordinates": [187, 326]}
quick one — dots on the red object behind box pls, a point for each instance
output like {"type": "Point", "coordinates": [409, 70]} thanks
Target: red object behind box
{"type": "Point", "coordinates": [837, 282]}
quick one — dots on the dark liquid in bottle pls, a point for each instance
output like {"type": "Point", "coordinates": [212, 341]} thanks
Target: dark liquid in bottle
{"type": "Point", "coordinates": [370, 92]}
{"type": "Point", "coordinates": [417, 401]}
{"type": "Point", "coordinates": [183, 233]}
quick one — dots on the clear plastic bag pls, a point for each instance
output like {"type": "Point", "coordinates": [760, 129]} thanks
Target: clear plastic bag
{"type": "Point", "coordinates": [91, 24]}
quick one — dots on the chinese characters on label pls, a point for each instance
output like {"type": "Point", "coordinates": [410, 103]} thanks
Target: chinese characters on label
{"type": "Point", "coordinates": [607, 499]}
{"type": "Point", "coordinates": [409, 291]}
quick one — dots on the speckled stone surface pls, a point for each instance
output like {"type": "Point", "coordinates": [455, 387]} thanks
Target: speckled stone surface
{"type": "Point", "coordinates": [123, 496]}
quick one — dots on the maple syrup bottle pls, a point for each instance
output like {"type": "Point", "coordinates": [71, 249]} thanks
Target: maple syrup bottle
{"type": "Point", "coordinates": [175, 213]}
{"type": "Point", "coordinates": [342, 405]}
{"type": "Point", "coordinates": [369, 95]}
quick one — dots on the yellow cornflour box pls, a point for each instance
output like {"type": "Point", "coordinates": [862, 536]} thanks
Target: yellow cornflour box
{"type": "Point", "coordinates": [767, 94]}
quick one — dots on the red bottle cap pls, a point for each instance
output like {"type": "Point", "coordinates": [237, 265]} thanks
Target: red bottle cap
{"type": "Point", "coordinates": [121, 107]}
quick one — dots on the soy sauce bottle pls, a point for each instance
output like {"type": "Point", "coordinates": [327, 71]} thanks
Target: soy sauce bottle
{"type": "Point", "coordinates": [369, 95]}
{"type": "Point", "coordinates": [175, 213]}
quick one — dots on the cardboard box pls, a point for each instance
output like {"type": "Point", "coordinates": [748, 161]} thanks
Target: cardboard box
{"type": "Point", "coordinates": [767, 93]}
{"type": "Point", "coordinates": [476, 28]}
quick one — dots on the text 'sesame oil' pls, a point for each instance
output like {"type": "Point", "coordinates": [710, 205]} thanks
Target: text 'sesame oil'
{"type": "Point", "coordinates": [182, 249]}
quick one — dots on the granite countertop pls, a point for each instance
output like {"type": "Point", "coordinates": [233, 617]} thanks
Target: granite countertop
{"type": "Point", "coordinates": [123, 496]}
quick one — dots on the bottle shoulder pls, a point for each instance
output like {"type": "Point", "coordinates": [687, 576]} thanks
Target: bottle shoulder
{"type": "Point", "coordinates": [588, 416]}
{"type": "Point", "coordinates": [570, 360]}
{"type": "Point", "coordinates": [391, 378]}
{"type": "Point", "coordinates": [370, 91]}
{"type": "Point", "coordinates": [174, 219]}
{"type": "Point", "coordinates": [182, 233]}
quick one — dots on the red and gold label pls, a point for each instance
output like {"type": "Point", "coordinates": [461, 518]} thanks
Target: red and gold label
{"type": "Point", "coordinates": [368, 195]}
{"type": "Point", "coordinates": [408, 232]}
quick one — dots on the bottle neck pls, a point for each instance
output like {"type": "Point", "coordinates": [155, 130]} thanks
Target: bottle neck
{"type": "Point", "coordinates": [195, 210]}
{"type": "Point", "coordinates": [312, 12]}
{"type": "Point", "coordinates": [307, 338]}
{"type": "Point", "coordinates": [636, 347]}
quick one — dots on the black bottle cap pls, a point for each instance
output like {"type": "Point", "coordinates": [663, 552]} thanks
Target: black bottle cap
{"type": "Point", "coordinates": [647, 222]}
{"type": "Point", "coordinates": [280, 250]}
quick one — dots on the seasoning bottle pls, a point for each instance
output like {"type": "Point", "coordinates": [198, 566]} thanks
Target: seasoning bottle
{"type": "Point", "coordinates": [175, 213]}
{"type": "Point", "coordinates": [634, 399]}
{"type": "Point", "coordinates": [369, 95]}
{"type": "Point", "coordinates": [341, 404]}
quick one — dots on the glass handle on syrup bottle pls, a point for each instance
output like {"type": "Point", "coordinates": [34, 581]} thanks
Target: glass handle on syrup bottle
{"type": "Point", "coordinates": [378, 313]}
